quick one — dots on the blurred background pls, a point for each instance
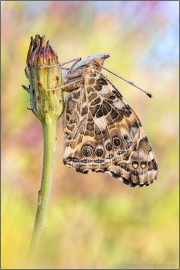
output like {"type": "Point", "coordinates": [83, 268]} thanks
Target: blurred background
{"type": "Point", "coordinates": [93, 221]}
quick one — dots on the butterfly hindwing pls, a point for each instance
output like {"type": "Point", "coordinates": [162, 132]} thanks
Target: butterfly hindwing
{"type": "Point", "coordinates": [103, 133]}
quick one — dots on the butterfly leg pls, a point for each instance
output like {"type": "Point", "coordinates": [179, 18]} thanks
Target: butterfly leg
{"type": "Point", "coordinates": [72, 60]}
{"type": "Point", "coordinates": [70, 86]}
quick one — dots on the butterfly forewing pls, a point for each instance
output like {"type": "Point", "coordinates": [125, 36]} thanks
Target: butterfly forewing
{"type": "Point", "coordinates": [102, 132]}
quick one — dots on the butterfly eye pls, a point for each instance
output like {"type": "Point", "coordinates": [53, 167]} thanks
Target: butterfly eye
{"type": "Point", "coordinates": [87, 151]}
{"type": "Point", "coordinates": [116, 141]}
{"type": "Point", "coordinates": [97, 61]}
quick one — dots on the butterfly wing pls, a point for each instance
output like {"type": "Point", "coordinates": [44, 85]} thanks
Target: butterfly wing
{"type": "Point", "coordinates": [103, 134]}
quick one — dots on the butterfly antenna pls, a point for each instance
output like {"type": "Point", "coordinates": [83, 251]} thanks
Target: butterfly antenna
{"type": "Point", "coordinates": [147, 93]}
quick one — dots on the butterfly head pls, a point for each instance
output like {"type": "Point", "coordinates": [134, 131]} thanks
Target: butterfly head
{"type": "Point", "coordinates": [94, 61]}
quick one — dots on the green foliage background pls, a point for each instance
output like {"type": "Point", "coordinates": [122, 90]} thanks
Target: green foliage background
{"type": "Point", "coordinates": [93, 221]}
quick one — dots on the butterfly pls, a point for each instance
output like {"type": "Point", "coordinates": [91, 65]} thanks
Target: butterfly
{"type": "Point", "coordinates": [102, 133]}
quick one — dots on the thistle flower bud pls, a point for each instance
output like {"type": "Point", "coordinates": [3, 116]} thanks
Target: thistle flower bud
{"type": "Point", "coordinates": [43, 72]}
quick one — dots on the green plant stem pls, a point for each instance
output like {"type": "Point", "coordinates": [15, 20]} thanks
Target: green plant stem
{"type": "Point", "coordinates": [49, 135]}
